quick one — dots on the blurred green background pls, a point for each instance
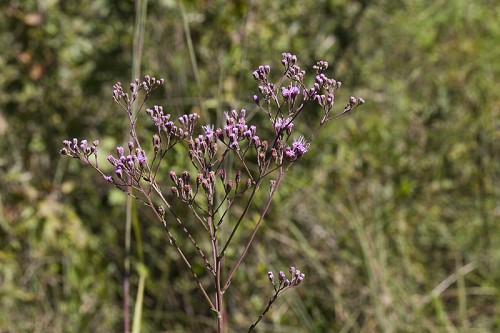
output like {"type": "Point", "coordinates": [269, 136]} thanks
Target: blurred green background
{"type": "Point", "coordinates": [394, 214]}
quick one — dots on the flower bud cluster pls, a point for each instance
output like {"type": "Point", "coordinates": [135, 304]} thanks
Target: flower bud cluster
{"type": "Point", "coordinates": [237, 130]}
{"type": "Point", "coordinates": [148, 84]}
{"type": "Point", "coordinates": [188, 121]}
{"type": "Point", "coordinates": [296, 278]}
{"type": "Point", "coordinates": [292, 70]}
{"type": "Point", "coordinates": [119, 93]}
{"type": "Point", "coordinates": [203, 149]}
{"type": "Point", "coordinates": [163, 123]}
{"type": "Point", "coordinates": [261, 74]}
{"type": "Point", "coordinates": [80, 150]}
{"type": "Point", "coordinates": [352, 104]}
{"type": "Point", "coordinates": [283, 124]}
{"type": "Point", "coordinates": [267, 88]}
{"type": "Point", "coordinates": [290, 93]}
{"type": "Point", "coordinates": [320, 66]}
{"type": "Point", "coordinates": [288, 59]}
{"type": "Point", "coordinates": [182, 188]}
{"type": "Point", "coordinates": [128, 167]}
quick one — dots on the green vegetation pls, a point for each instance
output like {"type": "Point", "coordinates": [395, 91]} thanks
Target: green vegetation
{"type": "Point", "coordinates": [393, 214]}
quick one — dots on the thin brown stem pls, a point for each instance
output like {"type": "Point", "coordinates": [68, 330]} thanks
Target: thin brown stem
{"type": "Point", "coordinates": [252, 237]}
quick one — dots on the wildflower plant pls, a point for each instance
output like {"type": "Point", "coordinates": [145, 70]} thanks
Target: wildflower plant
{"type": "Point", "coordinates": [217, 184]}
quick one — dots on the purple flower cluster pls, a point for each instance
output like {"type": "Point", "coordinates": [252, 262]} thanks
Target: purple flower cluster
{"type": "Point", "coordinates": [290, 93]}
{"type": "Point", "coordinates": [210, 151]}
{"type": "Point", "coordinates": [163, 123]}
{"type": "Point", "coordinates": [148, 85]}
{"type": "Point", "coordinates": [237, 130]}
{"type": "Point", "coordinates": [296, 278]}
{"type": "Point", "coordinates": [292, 70]}
{"type": "Point", "coordinates": [80, 149]}
{"type": "Point", "coordinates": [128, 167]}
{"type": "Point", "coordinates": [299, 147]}
{"type": "Point", "coordinates": [267, 88]}
{"type": "Point", "coordinates": [281, 125]}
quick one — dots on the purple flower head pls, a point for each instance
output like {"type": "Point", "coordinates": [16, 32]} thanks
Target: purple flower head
{"type": "Point", "coordinates": [141, 158]}
{"type": "Point", "coordinates": [300, 146]}
{"type": "Point", "coordinates": [256, 141]}
{"type": "Point", "coordinates": [289, 153]}
{"type": "Point", "coordinates": [290, 93]}
{"type": "Point", "coordinates": [283, 124]}
{"type": "Point", "coordinates": [209, 131]}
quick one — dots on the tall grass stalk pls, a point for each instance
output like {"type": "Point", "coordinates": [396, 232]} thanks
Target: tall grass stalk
{"type": "Point", "coordinates": [131, 211]}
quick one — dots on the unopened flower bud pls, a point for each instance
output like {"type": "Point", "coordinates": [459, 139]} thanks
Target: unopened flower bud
{"type": "Point", "coordinates": [173, 176]}
{"type": "Point", "coordinates": [186, 177]}
{"type": "Point", "coordinates": [161, 210]}
{"type": "Point", "coordinates": [256, 99]}
{"type": "Point", "coordinates": [186, 191]}
{"type": "Point", "coordinates": [211, 176]}
{"type": "Point", "coordinates": [229, 186]}
{"type": "Point", "coordinates": [119, 173]}
{"type": "Point", "coordinates": [281, 277]}
{"type": "Point", "coordinates": [222, 174]}
{"type": "Point", "coordinates": [272, 185]}
{"type": "Point", "coordinates": [83, 145]}
{"type": "Point", "coordinates": [156, 142]}
{"type": "Point", "coordinates": [270, 276]}
{"type": "Point", "coordinates": [199, 179]}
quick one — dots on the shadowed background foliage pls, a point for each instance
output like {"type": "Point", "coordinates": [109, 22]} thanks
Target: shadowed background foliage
{"type": "Point", "coordinates": [393, 214]}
